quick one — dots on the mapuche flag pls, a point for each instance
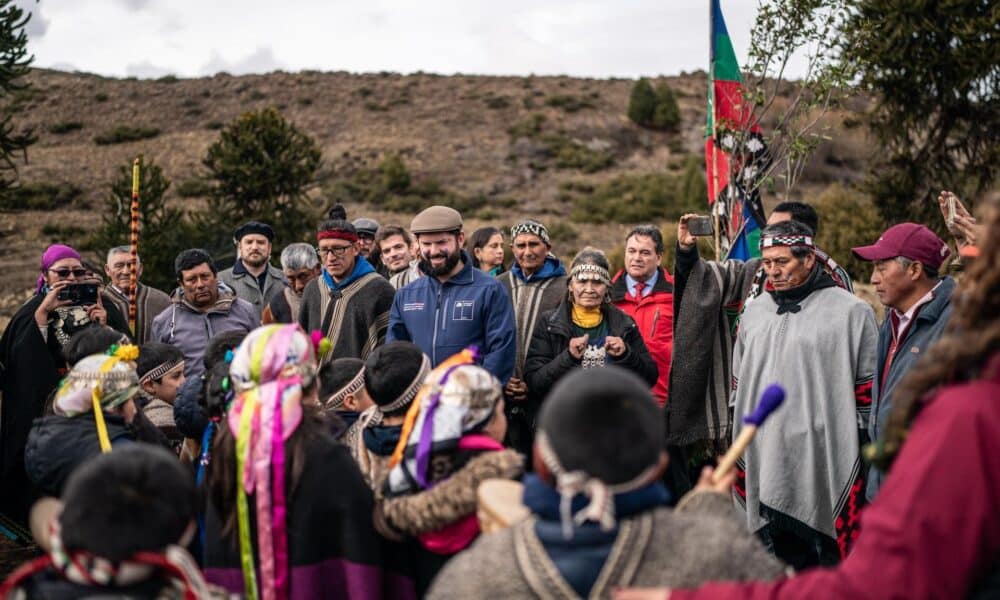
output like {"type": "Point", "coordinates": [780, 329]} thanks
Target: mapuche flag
{"type": "Point", "coordinates": [727, 112]}
{"type": "Point", "coordinates": [726, 109]}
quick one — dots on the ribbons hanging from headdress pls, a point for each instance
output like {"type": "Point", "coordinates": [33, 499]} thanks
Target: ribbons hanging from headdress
{"type": "Point", "coordinates": [269, 370]}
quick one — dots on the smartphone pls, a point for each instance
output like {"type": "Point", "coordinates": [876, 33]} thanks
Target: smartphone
{"type": "Point", "coordinates": [700, 226]}
{"type": "Point", "coordinates": [79, 294]}
{"type": "Point", "coordinates": [950, 221]}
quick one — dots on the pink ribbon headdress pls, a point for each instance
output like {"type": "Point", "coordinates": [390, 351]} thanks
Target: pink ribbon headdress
{"type": "Point", "coordinates": [268, 372]}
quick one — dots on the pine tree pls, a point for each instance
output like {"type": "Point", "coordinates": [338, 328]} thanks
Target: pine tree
{"type": "Point", "coordinates": [14, 65]}
{"type": "Point", "coordinates": [667, 115]}
{"type": "Point", "coordinates": [163, 230]}
{"type": "Point", "coordinates": [261, 166]}
{"type": "Point", "coordinates": [642, 103]}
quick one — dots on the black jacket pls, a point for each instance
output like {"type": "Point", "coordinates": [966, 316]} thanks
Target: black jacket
{"type": "Point", "coordinates": [549, 358]}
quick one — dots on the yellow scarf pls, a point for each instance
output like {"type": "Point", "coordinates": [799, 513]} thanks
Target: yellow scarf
{"type": "Point", "coordinates": [587, 317]}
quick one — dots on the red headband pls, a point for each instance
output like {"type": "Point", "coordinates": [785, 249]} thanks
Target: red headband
{"type": "Point", "coordinates": [337, 235]}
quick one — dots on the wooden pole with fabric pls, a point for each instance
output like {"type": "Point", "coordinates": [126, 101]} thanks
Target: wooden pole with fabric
{"type": "Point", "coordinates": [133, 283]}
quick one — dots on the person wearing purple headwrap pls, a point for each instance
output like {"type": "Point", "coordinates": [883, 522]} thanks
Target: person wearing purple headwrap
{"type": "Point", "coordinates": [32, 363]}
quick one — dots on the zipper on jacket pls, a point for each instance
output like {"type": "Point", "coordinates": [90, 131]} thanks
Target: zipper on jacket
{"type": "Point", "coordinates": [434, 337]}
{"type": "Point", "coordinates": [656, 317]}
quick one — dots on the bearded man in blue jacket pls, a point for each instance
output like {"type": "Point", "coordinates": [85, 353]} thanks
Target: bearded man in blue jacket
{"type": "Point", "coordinates": [455, 305]}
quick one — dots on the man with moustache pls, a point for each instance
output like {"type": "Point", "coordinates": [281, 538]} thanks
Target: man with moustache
{"type": "Point", "coordinates": [149, 301]}
{"type": "Point", "coordinates": [801, 481]}
{"type": "Point", "coordinates": [349, 302]}
{"type": "Point", "coordinates": [200, 309]}
{"type": "Point", "coordinates": [455, 305]}
{"type": "Point", "coordinates": [252, 277]}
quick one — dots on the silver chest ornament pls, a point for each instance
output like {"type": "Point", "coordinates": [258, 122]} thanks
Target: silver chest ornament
{"type": "Point", "coordinates": [594, 357]}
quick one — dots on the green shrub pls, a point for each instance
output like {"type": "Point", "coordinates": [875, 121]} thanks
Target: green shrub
{"type": "Point", "coordinates": [562, 233]}
{"type": "Point", "coordinates": [65, 127]}
{"type": "Point", "coordinates": [570, 154]}
{"type": "Point", "coordinates": [395, 176]}
{"type": "Point", "coordinates": [40, 196]}
{"type": "Point", "coordinates": [168, 79]}
{"type": "Point", "coordinates": [527, 128]}
{"type": "Point", "coordinates": [630, 199]}
{"type": "Point", "coordinates": [125, 133]}
{"type": "Point", "coordinates": [653, 109]}
{"type": "Point", "coordinates": [497, 102]}
{"type": "Point", "coordinates": [848, 218]}
{"type": "Point", "coordinates": [667, 115]}
{"type": "Point", "coordinates": [195, 187]}
{"type": "Point", "coordinates": [101, 97]}
{"type": "Point", "coordinates": [306, 101]}
{"type": "Point", "coordinates": [214, 125]}
{"type": "Point", "coordinates": [569, 102]}
{"type": "Point", "coordinates": [257, 95]}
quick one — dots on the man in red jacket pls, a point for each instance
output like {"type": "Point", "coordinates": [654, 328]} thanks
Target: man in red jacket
{"type": "Point", "coordinates": [645, 291]}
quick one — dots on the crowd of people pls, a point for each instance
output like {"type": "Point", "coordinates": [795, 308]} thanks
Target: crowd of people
{"type": "Point", "coordinates": [325, 428]}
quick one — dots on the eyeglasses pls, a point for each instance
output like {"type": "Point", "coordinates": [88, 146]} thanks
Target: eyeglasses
{"type": "Point", "coordinates": [64, 273]}
{"type": "Point", "coordinates": [334, 250]}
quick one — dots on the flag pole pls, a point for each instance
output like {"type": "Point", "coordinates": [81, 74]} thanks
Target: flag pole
{"type": "Point", "coordinates": [711, 101]}
{"type": "Point", "coordinates": [133, 283]}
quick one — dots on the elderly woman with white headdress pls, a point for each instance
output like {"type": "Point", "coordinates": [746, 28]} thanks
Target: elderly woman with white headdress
{"type": "Point", "coordinates": [585, 331]}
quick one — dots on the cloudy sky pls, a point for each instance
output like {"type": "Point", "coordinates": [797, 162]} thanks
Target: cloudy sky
{"type": "Point", "coordinates": [593, 38]}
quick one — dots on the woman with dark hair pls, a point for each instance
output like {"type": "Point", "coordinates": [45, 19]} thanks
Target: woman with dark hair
{"type": "Point", "coordinates": [486, 248]}
{"type": "Point", "coordinates": [289, 514]}
{"type": "Point", "coordinates": [934, 529]}
{"type": "Point", "coordinates": [586, 331]}
{"type": "Point", "coordinates": [32, 360]}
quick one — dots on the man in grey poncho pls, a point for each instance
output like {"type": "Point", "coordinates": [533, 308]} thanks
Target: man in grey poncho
{"type": "Point", "coordinates": [801, 481]}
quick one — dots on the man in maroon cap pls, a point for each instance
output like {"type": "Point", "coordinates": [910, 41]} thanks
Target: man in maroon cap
{"type": "Point", "coordinates": [906, 261]}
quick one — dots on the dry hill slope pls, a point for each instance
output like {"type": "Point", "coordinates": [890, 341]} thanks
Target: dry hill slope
{"type": "Point", "coordinates": [453, 129]}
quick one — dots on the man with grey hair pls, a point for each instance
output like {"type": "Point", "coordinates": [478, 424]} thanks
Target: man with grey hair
{"type": "Point", "coordinates": [801, 481]}
{"type": "Point", "coordinates": [149, 301]}
{"type": "Point", "coordinates": [300, 264]}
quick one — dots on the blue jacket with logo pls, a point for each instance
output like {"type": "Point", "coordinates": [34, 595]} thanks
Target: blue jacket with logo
{"type": "Point", "coordinates": [469, 309]}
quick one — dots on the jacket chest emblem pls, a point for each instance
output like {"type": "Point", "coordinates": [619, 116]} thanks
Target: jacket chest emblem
{"type": "Point", "coordinates": [915, 350]}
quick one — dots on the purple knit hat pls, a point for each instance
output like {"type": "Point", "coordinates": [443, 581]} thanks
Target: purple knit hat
{"type": "Point", "coordinates": [51, 256]}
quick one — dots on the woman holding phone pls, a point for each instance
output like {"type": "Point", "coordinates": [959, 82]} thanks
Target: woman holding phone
{"type": "Point", "coordinates": [66, 300]}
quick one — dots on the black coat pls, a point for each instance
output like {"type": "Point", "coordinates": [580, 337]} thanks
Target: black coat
{"type": "Point", "coordinates": [549, 358]}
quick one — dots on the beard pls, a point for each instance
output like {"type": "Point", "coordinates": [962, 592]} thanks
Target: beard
{"type": "Point", "coordinates": [255, 260]}
{"type": "Point", "coordinates": [450, 261]}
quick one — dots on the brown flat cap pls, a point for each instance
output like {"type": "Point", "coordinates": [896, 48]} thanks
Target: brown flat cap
{"type": "Point", "coordinates": [436, 219]}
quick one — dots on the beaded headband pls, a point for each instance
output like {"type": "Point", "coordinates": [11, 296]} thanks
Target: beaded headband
{"type": "Point", "coordinates": [586, 271]}
{"type": "Point", "coordinates": [353, 386]}
{"type": "Point", "coordinates": [161, 370]}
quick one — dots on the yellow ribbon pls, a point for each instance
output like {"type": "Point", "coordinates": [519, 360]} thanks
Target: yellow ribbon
{"type": "Point", "coordinates": [95, 396]}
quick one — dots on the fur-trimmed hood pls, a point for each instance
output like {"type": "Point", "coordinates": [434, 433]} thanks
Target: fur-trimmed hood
{"type": "Point", "coordinates": [450, 500]}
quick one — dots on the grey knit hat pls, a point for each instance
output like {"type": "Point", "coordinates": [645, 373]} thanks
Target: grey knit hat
{"type": "Point", "coordinates": [436, 219]}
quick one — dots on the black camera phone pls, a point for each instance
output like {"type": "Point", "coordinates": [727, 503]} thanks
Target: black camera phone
{"type": "Point", "coordinates": [700, 226]}
{"type": "Point", "coordinates": [79, 294]}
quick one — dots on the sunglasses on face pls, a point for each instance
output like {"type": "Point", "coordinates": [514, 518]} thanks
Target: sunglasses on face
{"type": "Point", "coordinates": [64, 273]}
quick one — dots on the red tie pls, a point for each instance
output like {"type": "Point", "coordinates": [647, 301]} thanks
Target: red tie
{"type": "Point", "coordinates": [639, 286]}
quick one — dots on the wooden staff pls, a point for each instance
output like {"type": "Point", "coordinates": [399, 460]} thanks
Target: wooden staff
{"type": "Point", "coordinates": [133, 283]}
{"type": "Point", "coordinates": [771, 399]}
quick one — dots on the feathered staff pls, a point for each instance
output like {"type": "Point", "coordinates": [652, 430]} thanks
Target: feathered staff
{"type": "Point", "coordinates": [133, 282]}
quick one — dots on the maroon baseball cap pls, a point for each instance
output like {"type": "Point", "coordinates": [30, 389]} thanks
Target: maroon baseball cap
{"type": "Point", "coordinates": [908, 240]}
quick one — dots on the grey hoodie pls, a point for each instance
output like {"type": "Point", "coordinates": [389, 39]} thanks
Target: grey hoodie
{"type": "Point", "coordinates": [190, 329]}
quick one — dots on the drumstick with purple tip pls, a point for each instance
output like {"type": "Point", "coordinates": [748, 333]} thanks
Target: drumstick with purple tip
{"type": "Point", "coordinates": [771, 399]}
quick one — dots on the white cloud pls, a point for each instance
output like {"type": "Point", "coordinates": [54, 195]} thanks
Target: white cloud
{"type": "Point", "coordinates": [262, 60]}
{"type": "Point", "coordinates": [146, 70]}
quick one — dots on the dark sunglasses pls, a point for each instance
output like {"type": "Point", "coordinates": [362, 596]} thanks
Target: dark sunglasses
{"type": "Point", "coordinates": [64, 273]}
